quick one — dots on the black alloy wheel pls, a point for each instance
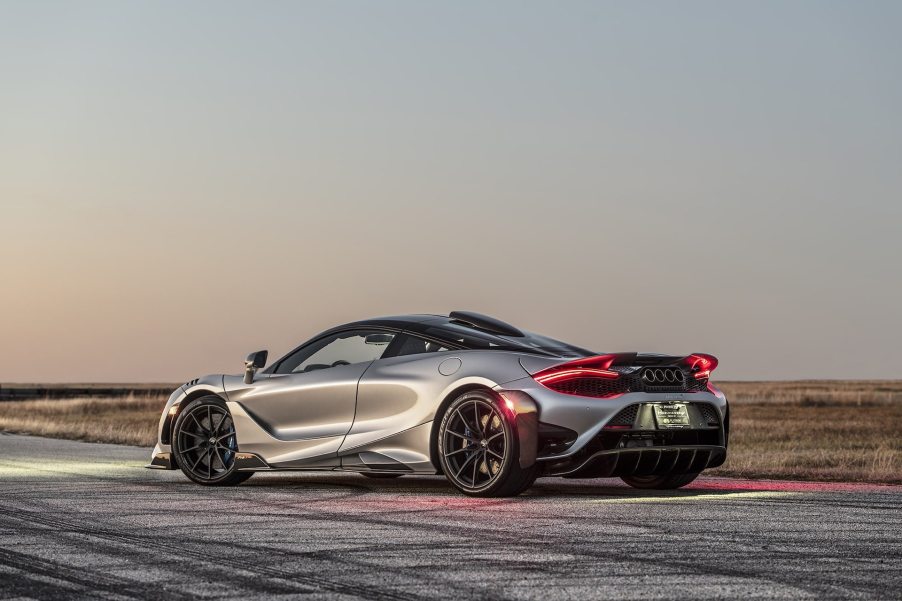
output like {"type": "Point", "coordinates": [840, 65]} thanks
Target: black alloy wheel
{"type": "Point", "coordinates": [478, 450]}
{"type": "Point", "coordinates": [205, 444]}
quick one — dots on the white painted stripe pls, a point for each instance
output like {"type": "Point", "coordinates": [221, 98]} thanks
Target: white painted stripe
{"type": "Point", "coordinates": [701, 496]}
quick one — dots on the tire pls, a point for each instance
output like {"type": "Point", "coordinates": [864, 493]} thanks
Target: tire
{"type": "Point", "coordinates": [381, 476]}
{"type": "Point", "coordinates": [478, 448]}
{"type": "Point", "coordinates": [665, 482]}
{"type": "Point", "coordinates": [204, 421]}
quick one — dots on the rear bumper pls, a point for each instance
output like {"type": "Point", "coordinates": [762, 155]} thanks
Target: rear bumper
{"type": "Point", "coordinates": [576, 422]}
{"type": "Point", "coordinates": [641, 461]}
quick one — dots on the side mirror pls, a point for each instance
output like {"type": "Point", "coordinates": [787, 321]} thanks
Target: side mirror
{"type": "Point", "coordinates": [378, 338]}
{"type": "Point", "coordinates": [254, 362]}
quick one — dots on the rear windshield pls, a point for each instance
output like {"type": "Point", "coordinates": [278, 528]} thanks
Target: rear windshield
{"type": "Point", "coordinates": [476, 339]}
{"type": "Point", "coordinates": [551, 345]}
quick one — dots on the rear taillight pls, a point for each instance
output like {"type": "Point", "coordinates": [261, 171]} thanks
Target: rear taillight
{"type": "Point", "coordinates": [700, 365]}
{"type": "Point", "coordinates": [561, 377]}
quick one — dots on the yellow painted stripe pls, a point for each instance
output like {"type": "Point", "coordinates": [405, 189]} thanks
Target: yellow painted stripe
{"type": "Point", "coordinates": [56, 469]}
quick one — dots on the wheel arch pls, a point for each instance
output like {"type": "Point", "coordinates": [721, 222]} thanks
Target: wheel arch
{"type": "Point", "coordinates": [174, 411]}
{"type": "Point", "coordinates": [440, 414]}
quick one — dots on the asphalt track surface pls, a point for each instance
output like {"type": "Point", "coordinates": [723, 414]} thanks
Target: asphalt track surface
{"type": "Point", "coordinates": [87, 521]}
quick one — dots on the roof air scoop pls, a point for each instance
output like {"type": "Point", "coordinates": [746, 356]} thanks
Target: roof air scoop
{"type": "Point", "coordinates": [485, 323]}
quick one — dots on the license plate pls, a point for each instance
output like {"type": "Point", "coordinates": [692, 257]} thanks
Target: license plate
{"type": "Point", "coordinates": [672, 416]}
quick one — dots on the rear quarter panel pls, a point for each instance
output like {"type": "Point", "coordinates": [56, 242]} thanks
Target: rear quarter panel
{"type": "Point", "coordinates": [400, 393]}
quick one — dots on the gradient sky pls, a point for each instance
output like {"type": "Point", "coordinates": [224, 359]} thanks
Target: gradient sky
{"type": "Point", "coordinates": [183, 183]}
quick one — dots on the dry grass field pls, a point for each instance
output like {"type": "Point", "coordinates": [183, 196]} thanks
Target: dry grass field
{"type": "Point", "coordinates": [124, 420]}
{"type": "Point", "coordinates": [817, 430]}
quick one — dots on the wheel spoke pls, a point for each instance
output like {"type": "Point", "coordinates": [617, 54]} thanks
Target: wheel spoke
{"type": "Point", "coordinates": [476, 467]}
{"type": "Point", "coordinates": [192, 434]}
{"type": "Point", "coordinates": [495, 454]}
{"type": "Point", "coordinates": [192, 448]}
{"type": "Point", "coordinates": [464, 464]}
{"type": "Point", "coordinates": [209, 463]}
{"type": "Point", "coordinates": [199, 426]}
{"type": "Point", "coordinates": [224, 436]}
{"type": "Point", "coordinates": [459, 435]}
{"type": "Point", "coordinates": [210, 419]}
{"type": "Point", "coordinates": [483, 430]}
{"type": "Point", "coordinates": [218, 425]}
{"type": "Point", "coordinates": [494, 436]}
{"type": "Point", "coordinates": [465, 422]}
{"type": "Point", "coordinates": [463, 450]}
{"type": "Point", "coordinates": [218, 456]}
{"type": "Point", "coordinates": [197, 462]}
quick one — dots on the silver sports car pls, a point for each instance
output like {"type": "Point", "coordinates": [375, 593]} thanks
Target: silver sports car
{"type": "Point", "coordinates": [488, 405]}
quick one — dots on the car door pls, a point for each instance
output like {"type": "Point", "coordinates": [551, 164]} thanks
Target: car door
{"type": "Point", "coordinates": [398, 392]}
{"type": "Point", "coordinates": [313, 391]}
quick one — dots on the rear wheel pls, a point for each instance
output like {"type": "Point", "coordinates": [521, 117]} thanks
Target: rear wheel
{"type": "Point", "coordinates": [660, 482]}
{"type": "Point", "coordinates": [478, 448]}
{"type": "Point", "coordinates": [204, 443]}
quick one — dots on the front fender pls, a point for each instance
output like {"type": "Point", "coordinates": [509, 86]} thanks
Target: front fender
{"type": "Point", "coordinates": [161, 457]}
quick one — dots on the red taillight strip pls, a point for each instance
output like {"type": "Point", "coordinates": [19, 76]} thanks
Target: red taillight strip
{"type": "Point", "coordinates": [701, 365]}
{"type": "Point", "coordinates": [579, 369]}
{"type": "Point", "coordinates": [572, 374]}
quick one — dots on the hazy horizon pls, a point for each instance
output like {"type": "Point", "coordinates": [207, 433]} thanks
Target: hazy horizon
{"type": "Point", "coordinates": [183, 184]}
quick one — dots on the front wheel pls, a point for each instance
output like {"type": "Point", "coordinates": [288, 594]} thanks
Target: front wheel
{"type": "Point", "coordinates": [478, 448]}
{"type": "Point", "coordinates": [204, 443]}
{"type": "Point", "coordinates": [666, 482]}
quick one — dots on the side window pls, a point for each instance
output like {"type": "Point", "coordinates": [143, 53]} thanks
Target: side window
{"type": "Point", "coordinates": [411, 345]}
{"type": "Point", "coordinates": [344, 348]}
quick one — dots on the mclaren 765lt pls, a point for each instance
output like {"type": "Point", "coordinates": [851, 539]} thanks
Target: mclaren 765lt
{"type": "Point", "coordinates": [488, 405]}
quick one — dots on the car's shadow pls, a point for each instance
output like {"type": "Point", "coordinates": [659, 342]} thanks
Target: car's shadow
{"type": "Point", "coordinates": [437, 487]}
